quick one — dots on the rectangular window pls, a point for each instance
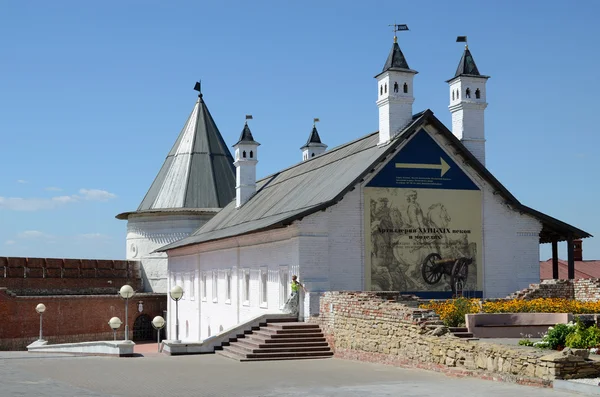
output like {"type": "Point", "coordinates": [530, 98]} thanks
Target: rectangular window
{"type": "Point", "coordinates": [215, 285]}
{"type": "Point", "coordinates": [192, 285]}
{"type": "Point", "coordinates": [246, 286]}
{"type": "Point", "coordinates": [264, 281]}
{"type": "Point", "coordinates": [228, 286]}
{"type": "Point", "coordinates": [284, 285]}
{"type": "Point", "coordinates": [203, 286]}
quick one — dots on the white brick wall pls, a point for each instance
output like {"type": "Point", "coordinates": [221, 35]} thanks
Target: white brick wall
{"type": "Point", "coordinates": [146, 233]}
{"type": "Point", "coordinates": [395, 109]}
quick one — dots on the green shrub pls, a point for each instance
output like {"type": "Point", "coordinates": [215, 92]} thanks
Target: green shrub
{"type": "Point", "coordinates": [557, 335]}
{"type": "Point", "coordinates": [582, 337]}
{"type": "Point", "coordinates": [525, 342]}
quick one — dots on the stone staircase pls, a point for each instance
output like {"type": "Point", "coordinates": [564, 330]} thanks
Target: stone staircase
{"type": "Point", "coordinates": [281, 340]}
{"type": "Point", "coordinates": [461, 332]}
{"type": "Point", "coordinates": [524, 293]}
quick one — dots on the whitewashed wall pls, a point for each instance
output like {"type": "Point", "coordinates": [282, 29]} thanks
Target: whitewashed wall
{"type": "Point", "coordinates": [146, 233]}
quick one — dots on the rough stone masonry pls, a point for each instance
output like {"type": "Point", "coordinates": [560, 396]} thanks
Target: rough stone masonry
{"type": "Point", "coordinates": [389, 328]}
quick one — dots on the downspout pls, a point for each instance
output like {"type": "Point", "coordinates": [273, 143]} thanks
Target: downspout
{"type": "Point", "coordinates": [238, 282]}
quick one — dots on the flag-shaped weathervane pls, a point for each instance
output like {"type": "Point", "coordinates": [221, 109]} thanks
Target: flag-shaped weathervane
{"type": "Point", "coordinates": [197, 87]}
{"type": "Point", "coordinates": [462, 39]}
{"type": "Point", "coordinates": [398, 28]}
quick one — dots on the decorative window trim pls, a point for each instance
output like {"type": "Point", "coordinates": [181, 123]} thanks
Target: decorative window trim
{"type": "Point", "coordinates": [264, 287]}
{"type": "Point", "coordinates": [228, 282]}
{"type": "Point", "coordinates": [283, 284]}
{"type": "Point", "coordinates": [215, 286]}
{"type": "Point", "coordinates": [203, 286]}
{"type": "Point", "coordinates": [246, 287]}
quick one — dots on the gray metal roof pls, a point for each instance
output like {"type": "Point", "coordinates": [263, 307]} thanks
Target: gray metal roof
{"type": "Point", "coordinates": [246, 136]}
{"type": "Point", "coordinates": [396, 61]}
{"type": "Point", "coordinates": [314, 139]}
{"type": "Point", "coordinates": [322, 181]}
{"type": "Point", "coordinates": [198, 172]}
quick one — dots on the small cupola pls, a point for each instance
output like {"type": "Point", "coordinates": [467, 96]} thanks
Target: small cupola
{"type": "Point", "coordinates": [313, 146]}
{"type": "Point", "coordinates": [394, 92]}
{"type": "Point", "coordinates": [246, 157]}
{"type": "Point", "coordinates": [468, 103]}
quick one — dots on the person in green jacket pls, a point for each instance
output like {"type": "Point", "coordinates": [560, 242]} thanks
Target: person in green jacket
{"type": "Point", "coordinates": [293, 303]}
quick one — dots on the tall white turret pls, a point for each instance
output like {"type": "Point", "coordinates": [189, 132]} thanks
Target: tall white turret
{"type": "Point", "coordinates": [246, 157]}
{"type": "Point", "coordinates": [394, 94]}
{"type": "Point", "coordinates": [467, 105]}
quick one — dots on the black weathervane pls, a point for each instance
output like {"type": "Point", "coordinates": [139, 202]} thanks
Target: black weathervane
{"type": "Point", "coordinates": [198, 87]}
{"type": "Point", "coordinates": [398, 28]}
{"type": "Point", "coordinates": [462, 39]}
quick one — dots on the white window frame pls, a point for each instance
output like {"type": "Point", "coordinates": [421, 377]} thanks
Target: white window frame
{"type": "Point", "coordinates": [215, 286]}
{"type": "Point", "coordinates": [228, 283]}
{"type": "Point", "coordinates": [284, 285]}
{"type": "Point", "coordinates": [264, 287]}
{"type": "Point", "coordinates": [246, 287]}
{"type": "Point", "coordinates": [192, 286]}
{"type": "Point", "coordinates": [203, 286]}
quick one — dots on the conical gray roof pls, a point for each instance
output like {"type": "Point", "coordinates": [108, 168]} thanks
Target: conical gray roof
{"type": "Point", "coordinates": [198, 172]}
{"type": "Point", "coordinates": [246, 136]}
{"type": "Point", "coordinates": [467, 66]}
{"type": "Point", "coordinates": [314, 139]}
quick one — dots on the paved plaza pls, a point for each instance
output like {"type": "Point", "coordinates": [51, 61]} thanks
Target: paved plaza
{"type": "Point", "coordinates": [27, 374]}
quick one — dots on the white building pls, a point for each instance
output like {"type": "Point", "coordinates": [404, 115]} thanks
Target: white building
{"type": "Point", "coordinates": [410, 208]}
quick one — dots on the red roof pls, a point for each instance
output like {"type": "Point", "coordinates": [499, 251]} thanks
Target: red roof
{"type": "Point", "coordinates": [583, 269]}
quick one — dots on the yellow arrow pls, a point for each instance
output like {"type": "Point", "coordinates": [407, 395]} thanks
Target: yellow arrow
{"type": "Point", "coordinates": [443, 166]}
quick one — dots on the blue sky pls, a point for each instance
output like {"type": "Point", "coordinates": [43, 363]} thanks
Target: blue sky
{"type": "Point", "coordinates": [93, 95]}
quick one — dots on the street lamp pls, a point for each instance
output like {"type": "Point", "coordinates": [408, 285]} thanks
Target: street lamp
{"type": "Point", "coordinates": [176, 294]}
{"type": "Point", "coordinates": [115, 323]}
{"type": "Point", "coordinates": [40, 308]}
{"type": "Point", "coordinates": [158, 323]}
{"type": "Point", "coordinates": [126, 293]}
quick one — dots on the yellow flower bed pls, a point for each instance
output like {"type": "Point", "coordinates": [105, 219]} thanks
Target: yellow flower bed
{"type": "Point", "coordinates": [541, 305]}
{"type": "Point", "coordinates": [452, 311]}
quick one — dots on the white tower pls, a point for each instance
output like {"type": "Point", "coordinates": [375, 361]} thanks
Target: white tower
{"type": "Point", "coordinates": [394, 94]}
{"type": "Point", "coordinates": [196, 180]}
{"type": "Point", "coordinates": [246, 157]}
{"type": "Point", "coordinates": [313, 146]}
{"type": "Point", "coordinates": [467, 105]}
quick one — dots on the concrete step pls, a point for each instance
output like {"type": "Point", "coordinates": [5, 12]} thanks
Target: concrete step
{"type": "Point", "coordinates": [295, 325]}
{"type": "Point", "coordinates": [256, 345]}
{"type": "Point", "coordinates": [290, 355]}
{"type": "Point", "coordinates": [269, 335]}
{"type": "Point", "coordinates": [285, 358]}
{"type": "Point", "coordinates": [282, 320]}
{"type": "Point", "coordinates": [285, 349]}
{"type": "Point", "coordinates": [289, 331]}
{"type": "Point", "coordinates": [458, 329]}
{"type": "Point", "coordinates": [267, 340]}
{"type": "Point", "coordinates": [463, 334]}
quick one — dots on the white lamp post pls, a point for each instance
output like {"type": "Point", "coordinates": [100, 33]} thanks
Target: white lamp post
{"type": "Point", "coordinates": [176, 294]}
{"type": "Point", "coordinates": [126, 293]}
{"type": "Point", "coordinates": [40, 308]}
{"type": "Point", "coordinates": [158, 323]}
{"type": "Point", "coordinates": [115, 323]}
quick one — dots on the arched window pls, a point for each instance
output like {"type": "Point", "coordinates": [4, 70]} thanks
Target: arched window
{"type": "Point", "coordinates": [380, 90]}
{"type": "Point", "coordinates": [405, 88]}
{"type": "Point", "coordinates": [477, 94]}
{"type": "Point", "coordinates": [385, 88]}
{"type": "Point", "coordinates": [457, 94]}
{"type": "Point", "coordinates": [452, 94]}
{"type": "Point", "coordinates": [395, 86]}
{"type": "Point", "coordinates": [251, 154]}
{"type": "Point", "coordinates": [244, 154]}
{"type": "Point", "coordinates": [312, 155]}
{"type": "Point", "coordinates": [468, 93]}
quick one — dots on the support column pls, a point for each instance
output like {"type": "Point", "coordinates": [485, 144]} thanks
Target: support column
{"type": "Point", "coordinates": [570, 257]}
{"type": "Point", "coordinates": [555, 260]}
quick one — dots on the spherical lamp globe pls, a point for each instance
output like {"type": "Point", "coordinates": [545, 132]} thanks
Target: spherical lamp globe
{"type": "Point", "coordinates": [126, 292]}
{"type": "Point", "coordinates": [176, 293]}
{"type": "Point", "coordinates": [158, 322]}
{"type": "Point", "coordinates": [40, 308]}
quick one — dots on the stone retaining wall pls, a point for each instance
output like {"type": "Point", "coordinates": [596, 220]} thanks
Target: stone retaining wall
{"type": "Point", "coordinates": [388, 328]}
